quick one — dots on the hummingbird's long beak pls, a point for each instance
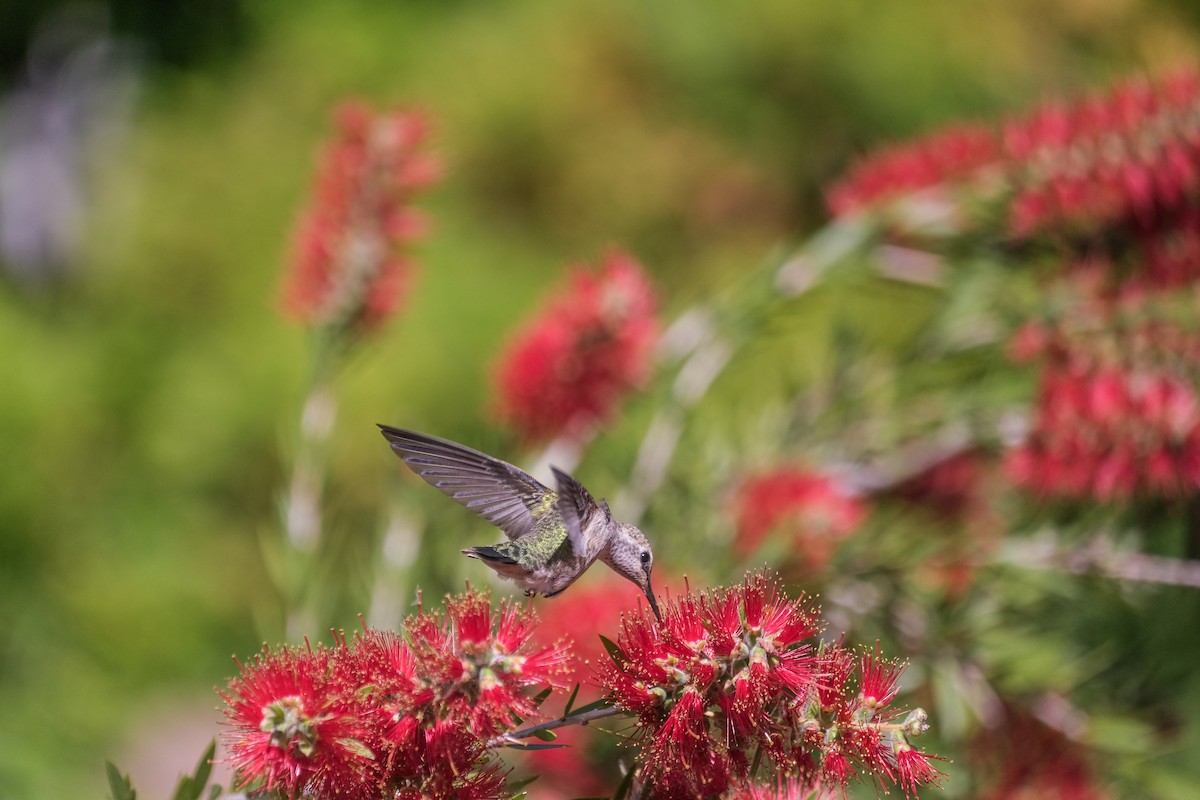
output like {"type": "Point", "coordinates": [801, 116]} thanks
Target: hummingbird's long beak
{"type": "Point", "coordinates": [653, 602]}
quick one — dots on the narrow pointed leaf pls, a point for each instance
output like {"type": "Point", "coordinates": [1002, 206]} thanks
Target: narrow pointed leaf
{"type": "Point", "coordinates": [191, 788]}
{"type": "Point", "coordinates": [541, 696]}
{"type": "Point", "coordinates": [571, 700]}
{"type": "Point", "coordinates": [623, 787]}
{"type": "Point", "coordinates": [119, 784]}
{"type": "Point", "coordinates": [518, 785]}
{"type": "Point", "coordinates": [614, 652]}
{"type": "Point", "coordinates": [545, 736]}
{"type": "Point", "coordinates": [535, 746]}
{"type": "Point", "coordinates": [601, 703]}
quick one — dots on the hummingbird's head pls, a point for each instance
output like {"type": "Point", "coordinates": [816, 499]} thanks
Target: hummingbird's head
{"type": "Point", "coordinates": [630, 556]}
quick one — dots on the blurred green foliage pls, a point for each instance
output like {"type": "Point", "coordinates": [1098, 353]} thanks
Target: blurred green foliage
{"type": "Point", "coordinates": [152, 395]}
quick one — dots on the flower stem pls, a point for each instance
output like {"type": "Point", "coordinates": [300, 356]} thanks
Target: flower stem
{"type": "Point", "coordinates": [578, 718]}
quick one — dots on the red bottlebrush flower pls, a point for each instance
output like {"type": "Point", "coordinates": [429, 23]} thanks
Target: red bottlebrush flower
{"type": "Point", "coordinates": [809, 509]}
{"type": "Point", "coordinates": [729, 670]}
{"type": "Point", "coordinates": [947, 156]}
{"type": "Point", "coordinates": [387, 714]}
{"type": "Point", "coordinates": [1128, 158]}
{"type": "Point", "coordinates": [914, 769]}
{"type": "Point", "coordinates": [1117, 412]}
{"type": "Point", "coordinates": [877, 686]}
{"type": "Point", "coordinates": [483, 664]}
{"type": "Point", "coordinates": [789, 789]}
{"type": "Point", "coordinates": [593, 608]}
{"type": "Point", "coordinates": [349, 267]}
{"type": "Point", "coordinates": [291, 734]}
{"type": "Point", "coordinates": [1130, 155]}
{"type": "Point", "coordinates": [569, 368]}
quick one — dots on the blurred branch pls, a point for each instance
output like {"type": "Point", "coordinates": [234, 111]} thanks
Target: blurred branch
{"type": "Point", "coordinates": [706, 353]}
{"type": "Point", "coordinates": [303, 512]}
{"type": "Point", "coordinates": [400, 548]}
{"type": "Point", "coordinates": [1101, 557]}
{"type": "Point", "coordinates": [905, 462]}
{"type": "Point", "coordinates": [706, 341]}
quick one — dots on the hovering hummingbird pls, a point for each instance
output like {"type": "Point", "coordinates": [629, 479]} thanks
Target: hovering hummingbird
{"type": "Point", "coordinates": [554, 536]}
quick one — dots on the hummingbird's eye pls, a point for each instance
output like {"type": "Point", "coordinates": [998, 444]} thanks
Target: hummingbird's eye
{"type": "Point", "coordinates": [645, 557]}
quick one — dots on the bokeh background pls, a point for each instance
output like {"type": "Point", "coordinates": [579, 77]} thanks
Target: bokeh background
{"type": "Point", "coordinates": [153, 157]}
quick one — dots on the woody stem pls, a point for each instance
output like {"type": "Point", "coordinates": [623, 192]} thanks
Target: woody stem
{"type": "Point", "coordinates": [582, 718]}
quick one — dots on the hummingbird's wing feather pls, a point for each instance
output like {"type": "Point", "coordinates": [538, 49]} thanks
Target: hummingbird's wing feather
{"type": "Point", "coordinates": [505, 496]}
{"type": "Point", "coordinates": [576, 505]}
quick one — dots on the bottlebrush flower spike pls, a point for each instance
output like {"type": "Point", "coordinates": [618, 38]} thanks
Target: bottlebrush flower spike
{"type": "Point", "coordinates": [1131, 155]}
{"type": "Point", "coordinates": [810, 510]}
{"type": "Point", "coordinates": [389, 715]}
{"type": "Point", "coordinates": [951, 155]}
{"type": "Point", "coordinates": [482, 663]}
{"type": "Point", "coordinates": [570, 367]}
{"type": "Point", "coordinates": [789, 789]}
{"type": "Point", "coordinates": [1117, 414]}
{"type": "Point", "coordinates": [293, 734]}
{"type": "Point", "coordinates": [349, 267]}
{"type": "Point", "coordinates": [730, 671]}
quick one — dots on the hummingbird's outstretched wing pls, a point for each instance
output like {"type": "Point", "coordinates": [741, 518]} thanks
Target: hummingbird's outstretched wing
{"type": "Point", "coordinates": [576, 505]}
{"type": "Point", "coordinates": [505, 496]}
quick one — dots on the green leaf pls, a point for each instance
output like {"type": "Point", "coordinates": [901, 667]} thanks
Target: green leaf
{"type": "Point", "coordinates": [541, 696]}
{"type": "Point", "coordinates": [614, 652]}
{"type": "Point", "coordinates": [214, 792]}
{"type": "Point", "coordinates": [191, 788]}
{"type": "Point", "coordinates": [516, 786]}
{"type": "Point", "coordinates": [358, 748]}
{"type": "Point", "coordinates": [545, 736]}
{"type": "Point", "coordinates": [535, 746]}
{"type": "Point", "coordinates": [119, 784]}
{"type": "Point", "coordinates": [601, 703]}
{"type": "Point", "coordinates": [623, 787]}
{"type": "Point", "coordinates": [571, 700]}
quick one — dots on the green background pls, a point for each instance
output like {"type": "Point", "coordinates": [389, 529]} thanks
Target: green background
{"type": "Point", "coordinates": [152, 391]}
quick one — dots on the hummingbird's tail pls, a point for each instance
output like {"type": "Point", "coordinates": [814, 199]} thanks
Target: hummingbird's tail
{"type": "Point", "coordinates": [489, 554]}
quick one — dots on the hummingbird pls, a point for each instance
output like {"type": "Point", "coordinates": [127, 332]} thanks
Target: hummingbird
{"type": "Point", "coordinates": [554, 536]}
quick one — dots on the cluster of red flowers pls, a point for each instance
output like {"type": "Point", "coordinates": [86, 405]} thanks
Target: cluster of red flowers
{"type": "Point", "coordinates": [1131, 155]}
{"type": "Point", "coordinates": [349, 266]}
{"type": "Point", "coordinates": [809, 510]}
{"type": "Point", "coordinates": [728, 673]}
{"type": "Point", "coordinates": [570, 366]}
{"type": "Point", "coordinates": [948, 156]}
{"type": "Point", "coordinates": [1117, 410]}
{"type": "Point", "coordinates": [390, 716]}
{"type": "Point", "coordinates": [1115, 176]}
{"type": "Point", "coordinates": [1128, 155]}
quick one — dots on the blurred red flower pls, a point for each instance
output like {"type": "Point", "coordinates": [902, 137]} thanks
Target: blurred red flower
{"type": "Point", "coordinates": [811, 511]}
{"type": "Point", "coordinates": [1117, 413]}
{"type": "Point", "coordinates": [1128, 157]}
{"type": "Point", "coordinates": [1131, 155]}
{"type": "Point", "coordinates": [570, 367]}
{"type": "Point", "coordinates": [946, 156]}
{"type": "Point", "coordinates": [1028, 759]}
{"type": "Point", "coordinates": [349, 267]}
